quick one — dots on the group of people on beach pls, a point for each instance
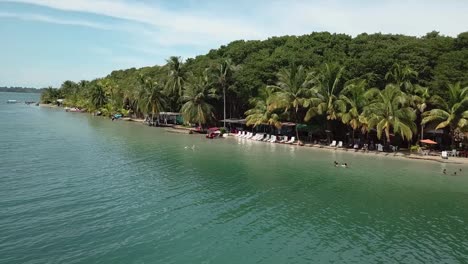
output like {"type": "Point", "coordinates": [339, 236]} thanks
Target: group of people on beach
{"type": "Point", "coordinates": [343, 165]}
{"type": "Point", "coordinates": [453, 174]}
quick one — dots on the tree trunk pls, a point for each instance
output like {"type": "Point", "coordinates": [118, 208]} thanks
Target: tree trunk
{"type": "Point", "coordinates": [422, 131]}
{"type": "Point", "coordinates": [297, 131]}
{"type": "Point", "coordinates": [224, 102]}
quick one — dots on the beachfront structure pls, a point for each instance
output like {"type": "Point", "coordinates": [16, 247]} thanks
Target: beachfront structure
{"type": "Point", "coordinates": [170, 118]}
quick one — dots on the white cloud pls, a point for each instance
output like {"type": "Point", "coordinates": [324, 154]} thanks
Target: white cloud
{"type": "Point", "coordinates": [415, 17]}
{"type": "Point", "coordinates": [212, 27]}
{"type": "Point", "coordinates": [48, 19]}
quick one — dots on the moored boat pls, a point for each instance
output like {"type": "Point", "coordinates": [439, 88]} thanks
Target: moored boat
{"type": "Point", "coordinates": [12, 101]}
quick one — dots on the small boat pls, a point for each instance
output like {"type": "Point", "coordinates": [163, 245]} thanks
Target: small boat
{"type": "Point", "coordinates": [12, 101]}
{"type": "Point", "coordinates": [73, 109]}
{"type": "Point", "coordinates": [213, 132]}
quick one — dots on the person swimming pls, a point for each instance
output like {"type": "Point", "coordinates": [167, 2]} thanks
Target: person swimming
{"type": "Point", "coordinates": [444, 171]}
{"type": "Point", "coordinates": [344, 165]}
{"type": "Point", "coordinates": [336, 163]}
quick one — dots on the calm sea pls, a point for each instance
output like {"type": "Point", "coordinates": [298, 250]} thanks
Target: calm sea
{"type": "Point", "coordinates": [81, 189]}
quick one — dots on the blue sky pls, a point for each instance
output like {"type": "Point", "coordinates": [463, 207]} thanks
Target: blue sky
{"type": "Point", "coordinates": [44, 42]}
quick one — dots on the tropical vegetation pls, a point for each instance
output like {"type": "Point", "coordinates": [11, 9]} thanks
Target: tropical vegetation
{"type": "Point", "coordinates": [392, 85]}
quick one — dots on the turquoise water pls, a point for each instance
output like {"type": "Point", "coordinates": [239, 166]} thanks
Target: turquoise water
{"type": "Point", "coordinates": [81, 189]}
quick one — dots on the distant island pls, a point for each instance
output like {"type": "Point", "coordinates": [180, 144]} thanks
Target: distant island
{"type": "Point", "coordinates": [20, 90]}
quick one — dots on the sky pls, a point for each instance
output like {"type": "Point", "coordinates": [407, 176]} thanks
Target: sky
{"type": "Point", "coordinates": [44, 42]}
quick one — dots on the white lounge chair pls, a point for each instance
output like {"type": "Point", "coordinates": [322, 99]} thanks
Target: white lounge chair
{"type": "Point", "coordinates": [333, 144]}
{"type": "Point", "coordinates": [380, 147]}
{"type": "Point", "coordinates": [249, 136]}
{"type": "Point", "coordinates": [454, 153]}
{"type": "Point", "coordinates": [267, 138]}
{"type": "Point", "coordinates": [273, 139]}
{"type": "Point", "coordinates": [261, 137]}
{"type": "Point", "coordinates": [238, 133]}
{"type": "Point", "coordinates": [444, 154]}
{"type": "Point", "coordinates": [291, 141]}
{"type": "Point", "coordinates": [356, 146]}
{"type": "Point", "coordinates": [257, 136]}
{"type": "Point", "coordinates": [243, 134]}
{"type": "Point", "coordinates": [284, 140]}
{"type": "Point", "coordinates": [340, 144]}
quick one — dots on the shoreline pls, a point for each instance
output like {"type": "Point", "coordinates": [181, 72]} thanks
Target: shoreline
{"type": "Point", "coordinates": [396, 155]}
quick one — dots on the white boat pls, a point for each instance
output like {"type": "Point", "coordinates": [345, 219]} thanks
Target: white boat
{"type": "Point", "coordinates": [11, 101]}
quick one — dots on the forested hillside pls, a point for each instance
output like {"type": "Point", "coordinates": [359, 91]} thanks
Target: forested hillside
{"type": "Point", "coordinates": [251, 70]}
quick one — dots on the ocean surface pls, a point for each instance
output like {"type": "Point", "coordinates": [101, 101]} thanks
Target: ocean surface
{"type": "Point", "coordinates": [81, 189]}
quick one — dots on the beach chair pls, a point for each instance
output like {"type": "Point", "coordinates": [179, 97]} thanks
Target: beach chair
{"type": "Point", "coordinates": [242, 134]}
{"type": "Point", "coordinates": [293, 139]}
{"type": "Point", "coordinates": [284, 140]}
{"type": "Point", "coordinates": [246, 134]}
{"type": "Point", "coordinates": [444, 155]}
{"type": "Point", "coordinates": [333, 144]}
{"type": "Point", "coordinates": [380, 147]}
{"type": "Point", "coordinates": [273, 139]}
{"type": "Point", "coordinates": [238, 133]}
{"type": "Point", "coordinates": [356, 147]}
{"type": "Point", "coordinates": [259, 136]}
{"type": "Point", "coordinates": [250, 135]}
{"type": "Point", "coordinates": [267, 138]}
{"type": "Point", "coordinates": [454, 153]}
{"type": "Point", "coordinates": [340, 144]}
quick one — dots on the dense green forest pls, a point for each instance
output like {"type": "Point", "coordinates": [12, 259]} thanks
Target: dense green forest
{"type": "Point", "coordinates": [392, 84]}
{"type": "Point", "coordinates": [20, 90]}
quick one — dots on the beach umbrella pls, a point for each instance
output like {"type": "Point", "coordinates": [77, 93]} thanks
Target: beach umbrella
{"type": "Point", "coordinates": [428, 141]}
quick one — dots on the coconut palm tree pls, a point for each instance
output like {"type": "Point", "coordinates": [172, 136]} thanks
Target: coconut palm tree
{"type": "Point", "coordinates": [402, 77]}
{"type": "Point", "coordinates": [151, 98]}
{"type": "Point", "coordinates": [327, 85]}
{"type": "Point", "coordinates": [222, 72]}
{"type": "Point", "coordinates": [196, 108]}
{"type": "Point", "coordinates": [353, 95]}
{"type": "Point", "coordinates": [98, 96]}
{"type": "Point", "coordinates": [260, 114]}
{"type": "Point", "coordinates": [452, 113]}
{"type": "Point", "coordinates": [389, 111]}
{"type": "Point", "coordinates": [326, 89]}
{"type": "Point", "coordinates": [177, 75]}
{"type": "Point", "coordinates": [290, 92]}
{"type": "Point", "coordinates": [419, 100]}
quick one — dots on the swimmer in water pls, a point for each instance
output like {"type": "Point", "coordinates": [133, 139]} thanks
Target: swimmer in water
{"type": "Point", "coordinates": [344, 165]}
{"type": "Point", "coordinates": [444, 171]}
{"type": "Point", "coordinates": [336, 163]}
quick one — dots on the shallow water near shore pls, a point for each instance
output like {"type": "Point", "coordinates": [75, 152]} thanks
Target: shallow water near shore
{"type": "Point", "coordinates": [81, 189]}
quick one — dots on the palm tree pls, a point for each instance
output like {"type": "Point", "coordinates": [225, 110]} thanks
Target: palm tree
{"type": "Point", "coordinates": [260, 114]}
{"type": "Point", "coordinates": [196, 109]}
{"type": "Point", "coordinates": [353, 95]}
{"type": "Point", "coordinates": [98, 95]}
{"type": "Point", "coordinates": [151, 97]}
{"type": "Point", "coordinates": [419, 101]}
{"type": "Point", "coordinates": [450, 113]}
{"type": "Point", "coordinates": [389, 111]}
{"type": "Point", "coordinates": [327, 85]}
{"type": "Point", "coordinates": [402, 77]}
{"type": "Point", "coordinates": [177, 75]}
{"type": "Point", "coordinates": [222, 73]}
{"type": "Point", "coordinates": [49, 95]}
{"type": "Point", "coordinates": [290, 92]}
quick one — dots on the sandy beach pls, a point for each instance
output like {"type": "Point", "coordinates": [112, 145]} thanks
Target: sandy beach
{"type": "Point", "coordinates": [392, 155]}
